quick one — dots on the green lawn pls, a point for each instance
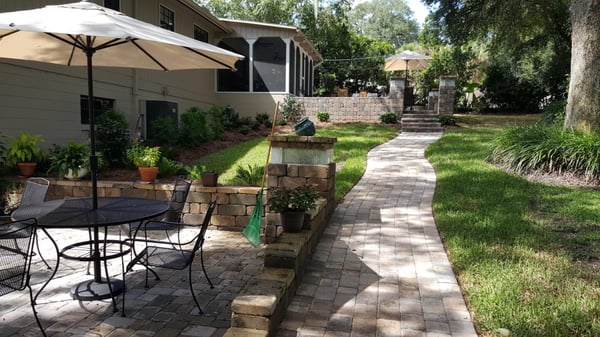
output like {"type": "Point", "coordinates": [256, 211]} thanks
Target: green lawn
{"type": "Point", "coordinates": [527, 254]}
{"type": "Point", "coordinates": [350, 153]}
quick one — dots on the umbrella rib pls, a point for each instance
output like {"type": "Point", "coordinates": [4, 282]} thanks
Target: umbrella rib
{"type": "Point", "coordinates": [8, 34]}
{"type": "Point", "coordinates": [210, 58]}
{"type": "Point", "coordinates": [148, 54]}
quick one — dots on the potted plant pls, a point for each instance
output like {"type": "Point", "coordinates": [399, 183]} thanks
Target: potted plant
{"type": "Point", "coordinates": [24, 152]}
{"type": "Point", "coordinates": [71, 161]}
{"type": "Point", "coordinates": [205, 176]}
{"type": "Point", "coordinates": [146, 159]}
{"type": "Point", "coordinates": [292, 203]}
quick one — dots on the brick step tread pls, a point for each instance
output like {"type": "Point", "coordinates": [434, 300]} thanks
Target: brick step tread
{"type": "Point", "coordinates": [419, 112]}
{"type": "Point", "coordinates": [243, 332]}
{"type": "Point", "coordinates": [418, 119]}
{"type": "Point", "coordinates": [440, 129]}
{"type": "Point", "coordinates": [425, 124]}
{"type": "Point", "coordinates": [406, 114]}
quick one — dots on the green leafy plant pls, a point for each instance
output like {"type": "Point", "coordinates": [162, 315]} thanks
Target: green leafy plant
{"type": "Point", "coordinates": [291, 109]}
{"type": "Point", "coordinates": [194, 172]}
{"type": "Point", "coordinates": [193, 129]}
{"type": "Point", "coordinates": [292, 199]}
{"type": "Point", "coordinates": [448, 120]}
{"type": "Point", "coordinates": [263, 119]}
{"type": "Point", "coordinates": [389, 118]}
{"type": "Point", "coordinates": [163, 131]}
{"type": "Point", "coordinates": [24, 148]}
{"type": "Point", "coordinates": [249, 175]}
{"type": "Point", "coordinates": [323, 116]}
{"type": "Point", "coordinates": [112, 135]}
{"type": "Point", "coordinates": [72, 156]}
{"type": "Point", "coordinates": [144, 156]}
{"type": "Point", "coordinates": [169, 168]}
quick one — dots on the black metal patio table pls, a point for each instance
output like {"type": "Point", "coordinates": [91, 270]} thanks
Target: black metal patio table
{"type": "Point", "coordinates": [79, 213]}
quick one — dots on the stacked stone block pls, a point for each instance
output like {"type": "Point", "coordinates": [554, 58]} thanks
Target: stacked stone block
{"type": "Point", "coordinates": [446, 95]}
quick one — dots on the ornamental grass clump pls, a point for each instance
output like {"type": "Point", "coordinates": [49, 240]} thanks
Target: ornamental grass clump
{"type": "Point", "coordinates": [550, 149]}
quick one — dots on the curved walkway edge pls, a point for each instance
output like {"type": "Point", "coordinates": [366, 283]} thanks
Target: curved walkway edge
{"type": "Point", "coordinates": [380, 268]}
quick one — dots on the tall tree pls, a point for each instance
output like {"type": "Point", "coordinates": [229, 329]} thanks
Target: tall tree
{"type": "Point", "coordinates": [386, 20]}
{"type": "Point", "coordinates": [583, 105]}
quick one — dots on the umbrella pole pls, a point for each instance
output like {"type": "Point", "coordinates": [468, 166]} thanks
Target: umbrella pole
{"type": "Point", "coordinates": [93, 161]}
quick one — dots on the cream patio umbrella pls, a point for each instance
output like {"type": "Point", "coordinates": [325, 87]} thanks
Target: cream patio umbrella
{"type": "Point", "coordinates": [407, 60]}
{"type": "Point", "coordinates": [86, 34]}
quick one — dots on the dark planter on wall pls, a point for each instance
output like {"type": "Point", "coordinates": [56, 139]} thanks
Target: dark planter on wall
{"type": "Point", "coordinates": [292, 222]}
{"type": "Point", "coordinates": [209, 179]}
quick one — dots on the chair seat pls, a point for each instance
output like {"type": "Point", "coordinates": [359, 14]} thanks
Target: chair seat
{"type": "Point", "coordinates": [165, 257]}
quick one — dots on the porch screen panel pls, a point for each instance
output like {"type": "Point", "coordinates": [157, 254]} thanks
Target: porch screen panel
{"type": "Point", "coordinates": [269, 65]}
{"type": "Point", "coordinates": [239, 80]}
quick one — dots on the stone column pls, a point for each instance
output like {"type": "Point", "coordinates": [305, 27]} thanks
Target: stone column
{"type": "Point", "coordinates": [446, 93]}
{"type": "Point", "coordinates": [396, 95]}
{"type": "Point", "coordinates": [300, 160]}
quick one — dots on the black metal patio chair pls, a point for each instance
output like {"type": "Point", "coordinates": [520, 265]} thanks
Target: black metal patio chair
{"type": "Point", "coordinates": [176, 252]}
{"type": "Point", "coordinates": [34, 193]}
{"type": "Point", "coordinates": [16, 251]}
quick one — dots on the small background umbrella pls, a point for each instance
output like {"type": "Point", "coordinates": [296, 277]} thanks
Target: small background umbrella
{"type": "Point", "coordinates": [252, 230]}
{"type": "Point", "coordinates": [407, 60]}
{"type": "Point", "coordinates": [77, 34]}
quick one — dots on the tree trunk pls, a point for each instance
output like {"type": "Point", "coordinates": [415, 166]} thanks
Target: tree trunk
{"type": "Point", "coordinates": [583, 105]}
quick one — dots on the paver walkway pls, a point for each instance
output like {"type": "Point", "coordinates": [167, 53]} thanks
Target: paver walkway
{"type": "Point", "coordinates": [381, 269]}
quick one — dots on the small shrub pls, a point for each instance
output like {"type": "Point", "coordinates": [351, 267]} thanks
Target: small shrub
{"type": "Point", "coordinates": [230, 118]}
{"type": "Point", "coordinates": [112, 135]}
{"type": "Point", "coordinates": [169, 168]}
{"type": "Point", "coordinates": [249, 175]}
{"type": "Point", "coordinates": [163, 131]}
{"type": "Point", "coordinates": [323, 116]}
{"type": "Point", "coordinates": [389, 118]}
{"type": "Point", "coordinates": [215, 122]}
{"type": "Point", "coordinates": [448, 120]}
{"type": "Point", "coordinates": [290, 109]}
{"type": "Point", "coordinates": [194, 129]}
{"type": "Point", "coordinates": [194, 172]}
{"type": "Point", "coordinates": [263, 118]}
{"type": "Point", "coordinates": [244, 129]}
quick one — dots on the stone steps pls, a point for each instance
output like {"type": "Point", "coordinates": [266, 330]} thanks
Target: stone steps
{"type": "Point", "coordinates": [420, 120]}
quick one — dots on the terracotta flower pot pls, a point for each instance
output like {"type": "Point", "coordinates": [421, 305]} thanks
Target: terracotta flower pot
{"type": "Point", "coordinates": [26, 169]}
{"type": "Point", "coordinates": [148, 174]}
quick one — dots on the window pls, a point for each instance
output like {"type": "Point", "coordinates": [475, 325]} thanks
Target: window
{"type": "Point", "coordinates": [228, 80]}
{"type": "Point", "coordinates": [200, 34]}
{"type": "Point", "coordinates": [113, 4]}
{"type": "Point", "coordinates": [167, 18]}
{"type": "Point", "coordinates": [269, 65]}
{"type": "Point", "coordinates": [101, 105]}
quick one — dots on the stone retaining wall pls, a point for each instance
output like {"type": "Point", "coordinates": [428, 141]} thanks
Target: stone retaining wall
{"type": "Point", "coordinates": [351, 109]}
{"type": "Point", "coordinates": [233, 210]}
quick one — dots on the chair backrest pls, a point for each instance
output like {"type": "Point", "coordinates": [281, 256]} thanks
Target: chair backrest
{"type": "Point", "coordinates": [205, 224]}
{"type": "Point", "coordinates": [178, 198]}
{"type": "Point", "coordinates": [35, 191]}
{"type": "Point", "coordinates": [16, 250]}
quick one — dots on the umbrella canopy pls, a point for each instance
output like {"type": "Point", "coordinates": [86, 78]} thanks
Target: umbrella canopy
{"type": "Point", "coordinates": [407, 60]}
{"type": "Point", "coordinates": [86, 34]}
{"type": "Point", "coordinates": [64, 34]}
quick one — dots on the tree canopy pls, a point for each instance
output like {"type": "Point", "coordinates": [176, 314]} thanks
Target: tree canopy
{"type": "Point", "coordinates": [386, 20]}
